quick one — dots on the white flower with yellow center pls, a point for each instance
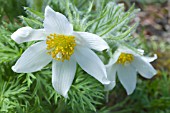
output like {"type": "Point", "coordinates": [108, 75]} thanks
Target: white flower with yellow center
{"type": "Point", "coordinates": [126, 63]}
{"type": "Point", "coordinates": [64, 47]}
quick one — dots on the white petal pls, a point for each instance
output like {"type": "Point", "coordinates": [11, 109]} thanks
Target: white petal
{"type": "Point", "coordinates": [124, 49]}
{"type": "Point", "coordinates": [33, 59]}
{"type": "Point", "coordinates": [91, 41]}
{"type": "Point", "coordinates": [111, 72]}
{"type": "Point", "coordinates": [127, 76]}
{"type": "Point", "coordinates": [114, 58]}
{"type": "Point", "coordinates": [26, 34]}
{"type": "Point", "coordinates": [110, 86]}
{"type": "Point", "coordinates": [143, 67]}
{"type": "Point", "coordinates": [55, 22]}
{"type": "Point", "coordinates": [111, 75]}
{"type": "Point", "coordinates": [62, 75]}
{"type": "Point", "coordinates": [91, 63]}
{"type": "Point", "coordinates": [149, 59]}
{"type": "Point", "coordinates": [141, 51]}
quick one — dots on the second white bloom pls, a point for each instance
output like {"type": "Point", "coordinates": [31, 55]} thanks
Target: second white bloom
{"type": "Point", "coordinates": [126, 63]}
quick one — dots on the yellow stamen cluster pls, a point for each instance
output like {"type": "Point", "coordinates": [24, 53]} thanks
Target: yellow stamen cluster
{"type": "Point", "coordinates": [125, 58]}
{"type": "Point", "coordinates": [60, 47]}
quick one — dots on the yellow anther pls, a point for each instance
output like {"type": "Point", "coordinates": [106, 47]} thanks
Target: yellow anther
{"type": "Point", "coordinates": [125, 58]}
{"type": "Point", "coordinates": [60, 47]}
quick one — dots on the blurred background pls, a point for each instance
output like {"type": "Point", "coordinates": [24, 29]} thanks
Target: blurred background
{"type": "Point", "coordinates": [153, 33]}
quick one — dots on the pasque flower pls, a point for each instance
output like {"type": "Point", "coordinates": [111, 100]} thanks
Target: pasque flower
{"type": "Point", "coordinates": [64, 47]}
{"type": "Point", "coordinates": [126, 63]}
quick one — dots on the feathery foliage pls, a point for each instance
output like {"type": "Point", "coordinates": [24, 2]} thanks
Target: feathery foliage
{"type": "Point", "coordinates": [33, 92]}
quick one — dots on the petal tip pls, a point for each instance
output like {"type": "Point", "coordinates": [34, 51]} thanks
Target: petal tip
{"type": "Point", "coordinates": [108, 87]}
{"type": "Point", "coordinates": [48, 9]}
{"type": "Point", "coordinates": [65, 95]}
{"type": "Point", "coordinates": [14, 37]}
{"type": "Point", "coordinates": [105, 81]}
{"type": "Point", "coordinates": [106, 48]}
{"type": "Point", "coordinates": [155, 56]}
{"type": "Point", "coordinates": [153, 74]}
{"type": "Point", "coordinates": [129, 92]}
{"type": "Point", "coordinates": [20, 34]}
{"type": "Point", "coordinates": [14, 69]}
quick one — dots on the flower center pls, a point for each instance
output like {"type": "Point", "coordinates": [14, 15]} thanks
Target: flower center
{"type": "Point", "coordinates": [60, 47]}
{"type": "Point", "coordinates": [125, 58]}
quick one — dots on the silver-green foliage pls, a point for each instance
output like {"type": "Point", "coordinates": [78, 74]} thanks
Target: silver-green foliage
{"type": "Point", "coordinates": [33, 92]}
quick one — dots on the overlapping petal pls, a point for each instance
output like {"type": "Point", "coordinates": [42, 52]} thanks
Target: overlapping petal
{"type": "Point", "coordinates": [110, 86]}
{"type": "Point", "coordinates": [138, 52]}
{"type": "Point", "coordinates": [33, 59]}
{"type": "Point", "coordinates": [26, 34]}
{"type": "Point", "coordinates": [91, 63]}
{"type": "Point", "coordinates": [91, 41]}
{"type": "Point", "coordinates": [127, 76]}
{"type": "Point", "coordinates": [114, 58]}
{"type": "Point", "coordinates": [143, 67]}
{"type": "Point", "coordinates": [56, 22]}
{"type": "Point", "coordinates": [111, 72]}
{"type": "Point", "coordinates": [149, 59]}
{"type": "Point", "coordinates": [62, 75]}
{"type": "Point", "coordinates": [111, 75]}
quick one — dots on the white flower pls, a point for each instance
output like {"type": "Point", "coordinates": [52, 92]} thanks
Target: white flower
{"type": "Point", "coordinates": [64, 47]}
{"type": "Point", "coordinates": [126, 63]}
